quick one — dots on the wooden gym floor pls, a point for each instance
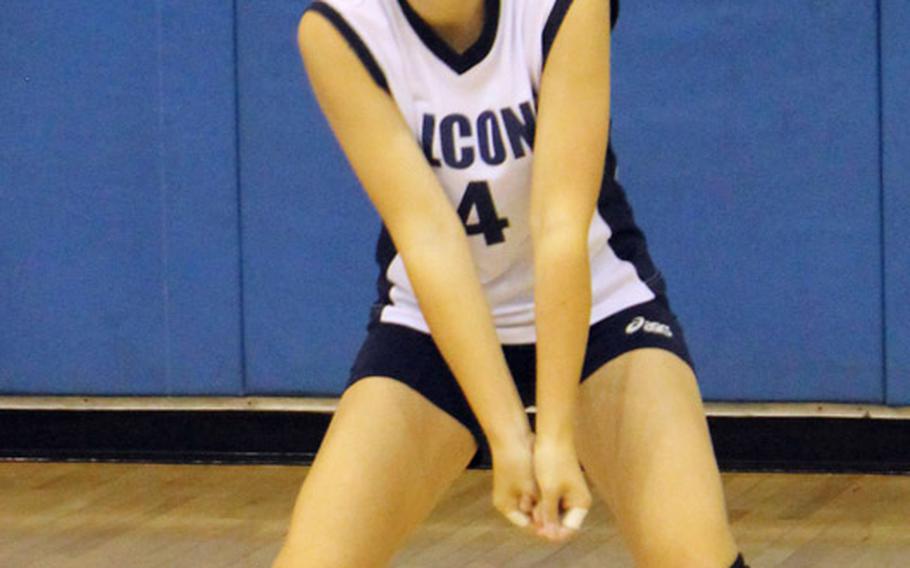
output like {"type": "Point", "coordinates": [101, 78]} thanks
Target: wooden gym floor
{"type": "Point", "coordinates": [104, 515]}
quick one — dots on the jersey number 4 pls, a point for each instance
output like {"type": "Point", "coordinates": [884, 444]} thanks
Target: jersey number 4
{"type": "Point", "coordinates": [477, 197]}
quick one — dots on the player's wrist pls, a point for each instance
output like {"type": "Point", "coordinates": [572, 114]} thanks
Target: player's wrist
{"type": "Point", "coordinates": [555, 432]}
{"type": "Point", "coordinates": [509, 429]}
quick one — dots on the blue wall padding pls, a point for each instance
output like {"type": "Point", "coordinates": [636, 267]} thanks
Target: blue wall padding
{"type": "Point", "coordinates": [118, 199]}
{"type": "Point", "coordinates": [138, 255]}
{"type": "Point", "coordinates": [896, 143]}
{"type": "Point", "coordinates": [308, 230]}
{"type": "Point", "coordinates": [748, 142]}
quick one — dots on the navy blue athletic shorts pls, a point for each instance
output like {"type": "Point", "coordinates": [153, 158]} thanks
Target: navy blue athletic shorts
{"type": "Point", "coordinates": [411, 357]}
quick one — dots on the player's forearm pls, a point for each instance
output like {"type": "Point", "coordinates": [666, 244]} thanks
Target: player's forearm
{"type": "Point", "coordinates": [452, 301]}
{"type": "Point", "coordinates": [563, 305]}
{"type": "Point", "coordinates": [572, 128]}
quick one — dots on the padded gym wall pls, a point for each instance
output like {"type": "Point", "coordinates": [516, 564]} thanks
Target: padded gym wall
{"type": "Point", "coordinates": [748, 142]}
{"type": "Point", "coordinates": [308, 230]}
{"type": "Point", "coordinates": [138, 255]}
{"type": "Point", "coordinates": [896, 170]}
{"type": "Point", "coordinates": [118, 199]}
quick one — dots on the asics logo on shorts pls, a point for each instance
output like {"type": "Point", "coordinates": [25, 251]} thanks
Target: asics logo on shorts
{"type": "Point", "coordinates": [655, 327]}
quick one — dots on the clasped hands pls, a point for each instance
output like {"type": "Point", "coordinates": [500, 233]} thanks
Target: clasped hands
{"type": "Point", "coordinates": [538, 485]}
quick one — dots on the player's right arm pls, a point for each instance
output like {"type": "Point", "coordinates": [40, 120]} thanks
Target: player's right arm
{"type": "Point", "coordinates": [426, 231]}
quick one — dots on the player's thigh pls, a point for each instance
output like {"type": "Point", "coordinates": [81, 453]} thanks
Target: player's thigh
{"type": "Point", "coordinates": [387, 457]}
{"type": "Point", "coordinates": [644, 442]}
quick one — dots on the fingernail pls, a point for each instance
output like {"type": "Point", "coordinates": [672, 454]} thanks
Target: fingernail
{"type": "Point", "coordinates": [518, 518]}
{"type": "Point", "coordinates": [574, 518]}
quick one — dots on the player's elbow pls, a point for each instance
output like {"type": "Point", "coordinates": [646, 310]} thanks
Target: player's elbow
{"type": "Point", "coordinates": [422, 237]}
{"type": "Point", "coordinates": [564, 229]}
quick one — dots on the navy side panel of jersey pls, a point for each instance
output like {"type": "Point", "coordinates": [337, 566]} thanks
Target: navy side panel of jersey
{"type": "Point", "coordinates": [627, 240]}
{"type": "Point", "coordinates": [385, 254]}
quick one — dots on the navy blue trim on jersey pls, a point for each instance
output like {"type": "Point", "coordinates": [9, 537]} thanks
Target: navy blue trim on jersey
{"type": "Point", "coordinates": [360, 48]}
{"type": "Point", "coordinates": [556, 17]}
{"type": "Point", "coordinates": [554, 22]}
{"type": "Point", "coordinates": [458, 62]}
{"type": "Point", "coordinates": [385, 254]}
{"type": "Point", "coordinates": [626, 239]}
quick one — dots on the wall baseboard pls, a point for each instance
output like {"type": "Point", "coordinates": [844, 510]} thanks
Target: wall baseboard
{"type": "Point", "coordinates": [742, 443]}
{"type": "Point", "coordinates": [328, 405]}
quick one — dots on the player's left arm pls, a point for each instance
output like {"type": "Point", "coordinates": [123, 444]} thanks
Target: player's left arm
{"type": "Point", "coordinates": [570, 149]}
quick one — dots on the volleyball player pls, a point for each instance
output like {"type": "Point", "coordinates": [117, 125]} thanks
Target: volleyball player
{"type": "Point", "coordinates": [511, 273]}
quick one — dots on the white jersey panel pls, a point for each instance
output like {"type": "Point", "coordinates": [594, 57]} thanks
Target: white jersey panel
{"type": "Point", "coordinates": [475, 124]}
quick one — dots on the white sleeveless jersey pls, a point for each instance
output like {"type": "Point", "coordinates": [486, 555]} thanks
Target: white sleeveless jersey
{"type": "Point", "coordinates": [474, 115]}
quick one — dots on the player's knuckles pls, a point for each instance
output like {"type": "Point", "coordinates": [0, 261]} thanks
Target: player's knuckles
{"type": "Point", "coordinates": [549, 508]}
{"type": "Point", "coordinates": [504, 503]}
{"type": "Point", "coordinates": [520, 489]}
{"type": "Point", "coordinates": [529, 488]}
{"type": "Point", "coordinates": [552, 490]}
{"type": "Point", "coordinates": [587, 501]}
{"type": "Point", "coordinates": [525, 504]}
{"type": "Point", "coordinates": [579, 498]}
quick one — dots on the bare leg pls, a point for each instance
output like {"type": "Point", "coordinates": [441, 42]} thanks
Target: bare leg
{"type": "Point", "coordinates": [643, 441]}
{"type": "Point", "coordinates": [387, 458]}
